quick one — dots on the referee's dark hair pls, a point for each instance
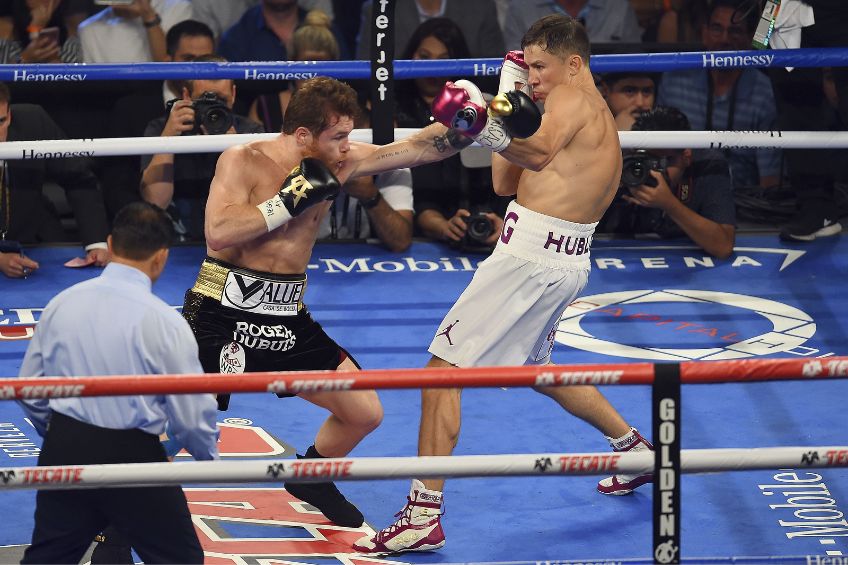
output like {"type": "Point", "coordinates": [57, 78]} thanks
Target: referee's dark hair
{"type": "Point", "coordinates": [141, 229]}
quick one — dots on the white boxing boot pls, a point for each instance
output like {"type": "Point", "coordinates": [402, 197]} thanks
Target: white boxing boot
{"type": "Point", "coordinates": [418, 527]}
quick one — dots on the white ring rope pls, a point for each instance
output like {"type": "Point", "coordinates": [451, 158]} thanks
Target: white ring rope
{"type": "Point", "coordinates": [372, 468]}
{"type": "Point", "coordinates": [118, 146]}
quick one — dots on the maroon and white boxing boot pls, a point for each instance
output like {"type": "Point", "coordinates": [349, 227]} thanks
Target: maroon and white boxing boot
{"type": "Point", "coordinates": [418, 527]}
{"type": "Point", "coordinates": [624, 484]}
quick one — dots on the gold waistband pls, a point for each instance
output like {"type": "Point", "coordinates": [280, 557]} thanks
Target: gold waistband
{"type": "Point", "coordinates": [210, 280]}
{"type": "Point", "coordinates": [213, 276]}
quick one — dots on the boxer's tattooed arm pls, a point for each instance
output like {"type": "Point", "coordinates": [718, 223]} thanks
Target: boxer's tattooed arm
{"type": "Point", "coordinates": [433, 143]}
{"type": "Point", "coordinates": [390, 154]}
{"type": "Point", "coordinates": [454, 139]}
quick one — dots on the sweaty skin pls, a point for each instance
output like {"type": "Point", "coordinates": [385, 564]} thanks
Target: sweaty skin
{"type": "Point", "coordinates": [247, 175]}
{"type": "Point", "coordinates": [570, 168]}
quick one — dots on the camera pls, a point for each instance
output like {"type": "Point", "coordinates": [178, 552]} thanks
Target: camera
{"type": "Point", "coordinates": [637, 166]}
{"type": "Point", "coordinates": [211, 112]}
{"type": "Point", "coordinates": [480, 228]}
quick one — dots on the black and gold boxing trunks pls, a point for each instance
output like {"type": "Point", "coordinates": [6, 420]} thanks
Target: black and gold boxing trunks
{"type": "Point", "coordinates": [249, 321]}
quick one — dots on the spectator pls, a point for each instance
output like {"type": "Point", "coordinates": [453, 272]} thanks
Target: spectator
{"type": "Point", "coordinates": [728, 99]}
{"type": "Point", "coordinates": [220, 15]}
{"type": "Point", "coordinates": [74, 12]}
{"type": "Point", "coordinates": [836, 122]}
{"type": "Point", "coordinates": [42, 31]}
{"type": "Point", "coordinates": [803, 106]}
{"type": "Point", "coordinates": [7, 33]}
{"type": "Point", "coordinates": [133, 33]}
{"type": "Point", "coordinates": [183, 180]}
{"type": "Point", "coordinates": [265, 32]}
{"type": "Point", "coordinates": [446, 193]}
{"type": "Point", "coordinates": [27, 216]}
{"type": "Point", "coordinates": [628, 94]}
{"type": "Point", "coordinates": [312, 41]}
{"type": "Point", "coordinates": [185, 41]}
{"type": "Point", "coordinates": [346, 16]}
{"type": "Point", "coordinates": [688, 192]}
{"type": "Point", "coordinates": [368, 206]}
{"type": "Point", "coordinates": [148, 337]}
{"type": "Point", "coordinates": [502, 7]}
{"type": "Point", "coordinates": [477, 20]}
{"type": "Point", "coordinates": [606, 21]}
{"type": "Point", "coordinates": [682, 23]}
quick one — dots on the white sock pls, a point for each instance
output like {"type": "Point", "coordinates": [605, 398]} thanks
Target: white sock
{"type": "Point", "coordinates": [625, 441]}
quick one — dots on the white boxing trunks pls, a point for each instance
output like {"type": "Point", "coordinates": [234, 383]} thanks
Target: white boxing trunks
{"type": "Point", "coordinates": [509, 313]}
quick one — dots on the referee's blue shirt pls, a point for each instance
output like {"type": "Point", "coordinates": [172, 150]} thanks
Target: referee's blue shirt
{"type": "Point", "coordinates": [115, 325]}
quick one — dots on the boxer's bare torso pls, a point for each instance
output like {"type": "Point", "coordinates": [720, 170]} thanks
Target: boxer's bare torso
{"type": "Point", "coordinates": [248, 175]}
{"type": "Point", "coordinates": [261, 168]}
{"type": "Point", "coordinates": [572, 165]}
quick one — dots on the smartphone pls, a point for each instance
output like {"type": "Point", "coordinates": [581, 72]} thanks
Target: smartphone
{"type": "Point", "coordinates": [113, 2]}
{"type": "Point", "coordinates": [51, 33]}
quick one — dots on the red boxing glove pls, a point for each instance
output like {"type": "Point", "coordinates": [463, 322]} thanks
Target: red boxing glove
{"type": "Point", "coordinates": [461, 106]}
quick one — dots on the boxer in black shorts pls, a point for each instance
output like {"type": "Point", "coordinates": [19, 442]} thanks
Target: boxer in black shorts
{"type": "Point", "coordinates": [236, 333]}
{"type": "Point", "coordinates": [265, 205]}
{"type": "Point", "coordinates": [249, 321]}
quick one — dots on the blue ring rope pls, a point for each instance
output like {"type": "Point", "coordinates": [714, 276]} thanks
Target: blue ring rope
{"type": "Point", "coordinates": [406, 69]}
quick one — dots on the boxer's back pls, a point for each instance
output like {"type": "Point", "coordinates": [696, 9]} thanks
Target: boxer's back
{"type": "Point", "coordinates": [582, 178]}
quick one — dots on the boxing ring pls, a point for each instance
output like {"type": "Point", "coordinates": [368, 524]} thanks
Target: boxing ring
{"type": "Point", "coordinates": [765, 328]}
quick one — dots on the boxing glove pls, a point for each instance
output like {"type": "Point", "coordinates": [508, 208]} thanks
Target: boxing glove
{"type": "Point", "coordinates": [308, 184]}
{"type": "Point", "coordinates": [518, 113]}
{"type": "Point", "coordinates": [515, 74]}
{"type": "Point", "coordinates": [461, 106]}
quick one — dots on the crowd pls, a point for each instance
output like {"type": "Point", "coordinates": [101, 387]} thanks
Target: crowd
{"type": "Point", "coordinates": [563, 168]}
{"type": "Point", "coordinates": [76, 201]}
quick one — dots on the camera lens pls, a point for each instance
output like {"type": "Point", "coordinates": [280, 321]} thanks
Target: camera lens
{"type": "Point", "coordinates": [634, 172]}
{"type": "Point", "coordinates": [479, 228]}
{"type": "Point", "coordinates": [217, 121]}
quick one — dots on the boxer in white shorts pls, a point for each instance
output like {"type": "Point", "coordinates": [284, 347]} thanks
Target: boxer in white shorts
{"type": "Point", "coordinates": [509, 313]}
{"type": "Point", "coordinates": [564, 168]}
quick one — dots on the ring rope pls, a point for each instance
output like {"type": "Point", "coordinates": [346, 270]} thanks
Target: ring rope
{"type": "Point", "coordinates": [117, 146]}
{"type": "Point", "coordinates": [409, 69]}
{"type": "Point", "coordinates": [376, 468]}
{"type": "Point", "coordinates": [691, 372]}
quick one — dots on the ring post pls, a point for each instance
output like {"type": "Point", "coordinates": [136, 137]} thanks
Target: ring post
{"type": "Point", "coordinates": [382, 71]}
{"type": "Point", "coordinates": [665, 419]}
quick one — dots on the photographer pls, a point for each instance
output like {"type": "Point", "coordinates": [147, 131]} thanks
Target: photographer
{"type": "Point", "coordinates": [180, 183]}
{"type": "Point", "coordinates": [628, 94]}
{"type": "Point", "coordinates": [675, 192]}
{"type": "Point", "coordinates": [448, 195]}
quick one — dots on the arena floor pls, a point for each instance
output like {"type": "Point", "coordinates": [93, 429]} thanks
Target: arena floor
{"type": "Point", "coordinates": [645, 301]}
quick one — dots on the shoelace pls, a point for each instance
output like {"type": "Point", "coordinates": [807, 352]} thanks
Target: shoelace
{"type": "Point", "coordinates": [405, 515]}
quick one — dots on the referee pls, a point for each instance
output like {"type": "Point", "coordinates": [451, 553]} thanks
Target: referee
{"type": "Point", "coordinates": [114, 325]}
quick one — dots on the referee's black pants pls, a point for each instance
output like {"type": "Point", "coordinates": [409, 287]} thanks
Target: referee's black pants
{"type": "Point", "coordinates": [155, 520]}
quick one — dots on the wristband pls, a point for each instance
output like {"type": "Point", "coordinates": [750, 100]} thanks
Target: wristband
{"type": "Point", "coordinates": [494, 136]}
{"type": "Point", "coordinates": [33, 31]}
{"type": "Point", "coordinates": [274, 212]}
{"type": "Point", "coordinates": [152, 23]}
{"type": "Point", "coordinates": [371, 202]}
